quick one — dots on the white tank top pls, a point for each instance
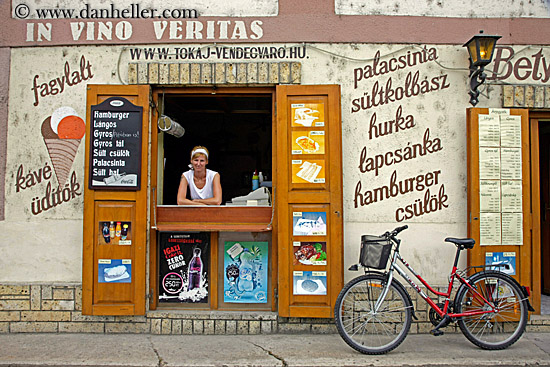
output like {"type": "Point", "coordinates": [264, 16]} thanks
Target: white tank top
{"type": "Point", "coordinates": [207, 191]}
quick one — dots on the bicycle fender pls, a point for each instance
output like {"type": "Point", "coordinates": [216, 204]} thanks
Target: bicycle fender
{"type": "Point", "coordinates": [513, 280]}
{"type": "Point", "coordinates": [398, 284]}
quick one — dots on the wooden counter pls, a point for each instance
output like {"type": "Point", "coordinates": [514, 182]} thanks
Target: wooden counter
{"type": "Point", "coordinates": [213, 218]}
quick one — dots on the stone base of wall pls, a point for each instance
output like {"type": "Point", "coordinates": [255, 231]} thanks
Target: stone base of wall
{"type": "Point", "coordinates": [57, 308]}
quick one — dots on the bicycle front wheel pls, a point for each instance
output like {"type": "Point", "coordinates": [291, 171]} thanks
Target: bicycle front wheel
{"type": "Point", "coordinates": [494, 330]}
{"type": "Point", "coordinates": [366, 329]}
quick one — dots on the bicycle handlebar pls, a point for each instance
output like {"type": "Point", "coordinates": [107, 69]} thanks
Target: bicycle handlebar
{"type": "Point", "coordinates": [396, 231]}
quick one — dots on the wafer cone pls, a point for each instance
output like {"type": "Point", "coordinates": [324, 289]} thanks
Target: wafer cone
{"type": "Point", "coordinates": [62, 153]}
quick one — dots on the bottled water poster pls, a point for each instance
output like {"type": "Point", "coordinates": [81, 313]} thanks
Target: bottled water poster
{"type": "Point", "coordinates": [184, 260]}
{"type": "Point", "coordinates": [245, 266]}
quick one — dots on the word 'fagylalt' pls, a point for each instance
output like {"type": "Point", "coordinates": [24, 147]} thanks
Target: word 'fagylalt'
{"type": "Point", "coordinates": [427, 146]}
{"type": "Point", "coordinates": [380, 67]}
{"type": "Point", "coordinates": [57, 85]}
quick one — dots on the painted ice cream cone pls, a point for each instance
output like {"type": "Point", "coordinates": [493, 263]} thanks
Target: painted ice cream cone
{"type": "Point", "coordinates": [62, 133]}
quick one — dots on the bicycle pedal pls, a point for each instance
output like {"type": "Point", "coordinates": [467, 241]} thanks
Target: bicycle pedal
{"type": "Point", "coordinates": [436, 332]}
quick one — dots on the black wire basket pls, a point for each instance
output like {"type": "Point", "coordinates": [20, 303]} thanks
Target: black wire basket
{"type": "Point", "coordinates": [375, 251]}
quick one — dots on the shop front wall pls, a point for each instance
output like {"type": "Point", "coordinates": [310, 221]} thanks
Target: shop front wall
{"type": "Point", "coordinates": [403, 123]}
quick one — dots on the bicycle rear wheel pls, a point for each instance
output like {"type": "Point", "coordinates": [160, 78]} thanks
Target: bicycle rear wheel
{"type": "Point", "coordinates": [495, 330]}
{"type": "Point", "coordinates": [364, 329]}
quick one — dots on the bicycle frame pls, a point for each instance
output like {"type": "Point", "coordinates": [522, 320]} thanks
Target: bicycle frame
{"type": "Point", "coordinates": [454, 275]}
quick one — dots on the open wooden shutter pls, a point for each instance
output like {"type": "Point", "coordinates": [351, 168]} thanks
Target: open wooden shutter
{"type": "Point", "coordinates": [499, 192]}
{"type": "Point", "coordinates": [104, 290]}
{"type": "Point", "coordinates": [308, 198]}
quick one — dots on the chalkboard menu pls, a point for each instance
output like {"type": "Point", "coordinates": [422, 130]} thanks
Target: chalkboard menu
{"type": "Point", "coordinates": [115, 144]}
{"type": "Point", "coordinates": [183, 267]}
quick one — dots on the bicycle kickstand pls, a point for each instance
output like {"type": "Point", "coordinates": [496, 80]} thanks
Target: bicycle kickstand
{"type": "Point", "coordinates": [444, 322]}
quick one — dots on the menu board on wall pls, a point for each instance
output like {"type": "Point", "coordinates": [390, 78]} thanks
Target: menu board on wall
{"type": "Point", "coordinates": [183, 267]}
{"type": "Point", "coordinates": [115, 144]}
{"type": "Point", "coordinates": [500, 179]}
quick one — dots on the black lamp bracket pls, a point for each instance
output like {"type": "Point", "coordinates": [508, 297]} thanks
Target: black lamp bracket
{"type": "Point", "coordinates": [477, 77]}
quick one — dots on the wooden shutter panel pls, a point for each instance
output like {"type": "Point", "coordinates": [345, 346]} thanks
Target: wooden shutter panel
{"type": "Point", "coordinates": [127, 206]}
{"type": "Point", "coordinates": [309, 190]}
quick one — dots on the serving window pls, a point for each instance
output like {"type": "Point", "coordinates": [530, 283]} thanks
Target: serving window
{"type": "Point", "coordinates": [235, 128]}
{"type": "Point", "coordinates": [234, 242]}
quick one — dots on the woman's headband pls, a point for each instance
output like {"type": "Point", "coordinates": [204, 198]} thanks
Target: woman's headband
{"type": "Point", "coordinates": [199, 150]}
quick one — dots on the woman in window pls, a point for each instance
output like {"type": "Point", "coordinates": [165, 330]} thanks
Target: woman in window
{"type": "Point", "coordinates": [204, 184]}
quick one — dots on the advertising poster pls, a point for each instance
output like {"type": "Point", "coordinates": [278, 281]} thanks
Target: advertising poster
{"type": "Point", "coordinates": [304, 142]}
{"type": "Point", "coordinates": [245, 270]}
{"type": "Point", "coordinates": [308, 171]}
{"type": "Point", "coordinates": [503, 261]}
{"type": "Point", "coordinates": [184, 260]}
{"type": "Point", "coordinates": [310, 253]}
{"type": "Point", "coordinates": [114, 270]}
{"type": "Point", "coordinates": [309, 223]}
{"type": "Point", "coordinates": [308, 114]}
{"type": "Point", "coordinates": [115, 233]}
{"type": "Point", "coordinates": [310, 282]}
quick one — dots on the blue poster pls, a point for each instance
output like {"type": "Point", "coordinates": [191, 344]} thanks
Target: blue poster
{"type": "Point", "coordinates": [245, 270]}
{"type": "Point", "coordinates": [503, 261]}
{"type": "Point", "coordinates": [310, 282]}
{"type": "Point", "coordinates": [114, 270]}
{"type": "Point", "coordinates": [309, 223]}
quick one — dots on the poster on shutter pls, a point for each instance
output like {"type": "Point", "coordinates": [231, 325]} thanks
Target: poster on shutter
{"type": "Point", "coordinates": [503, 261]}
{"type": "Point", "coordinates": [245, 270]}
{"type": "Point", "coordinates": [308, 171]}
{"type": "Point", "coordinates": [114, 270]}
{"type": "Point", "coordinates": [310, 282]}
{"type": "Point", "coordinates": [184, 261]}
{"type": "Point", "coordinates": [310, 253]}
{"type": "Point", "coordinates": [308, 114]}
{"type": "Point", "coordinates": [309, 223]}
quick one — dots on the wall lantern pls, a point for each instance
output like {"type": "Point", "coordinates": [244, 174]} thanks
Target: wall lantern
{"type": "Point", "coordinates": [480, 47]}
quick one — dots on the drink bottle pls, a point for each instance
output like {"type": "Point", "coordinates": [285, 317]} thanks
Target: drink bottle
{"type": "Point", "coordinates": [124, 232]}
{"type": "Point", "coordinates": [195, 270]}
{"type": "Point", "coordinates": [106, 235]}
{"type": "Point", "coordinates": [118, 230]}
{"type": "Point", "coordinates": [112, 229]}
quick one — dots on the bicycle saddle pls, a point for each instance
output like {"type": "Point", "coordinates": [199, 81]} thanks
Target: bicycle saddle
{"type": "Point", "coordinates": [464, 243]}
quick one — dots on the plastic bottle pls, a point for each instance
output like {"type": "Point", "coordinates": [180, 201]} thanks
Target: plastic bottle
{"type": "Point", "coordinates": [195, 270]}
{"type": "Point", "coordinates": [106, 234]}
{"type": "Point", "coordinates": [261, 177]}
{"type": "Point", "coordinates": [255, 181]}
{"type": "Point", "coordinates": [118, 230]}
{"type": "Point", "coordinates": [112, 229]}
{"type": "Point", "coordinates": [124, 232]}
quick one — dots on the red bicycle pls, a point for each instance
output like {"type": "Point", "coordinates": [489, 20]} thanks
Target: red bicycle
{"type": "Point", "coordinates": [373, 312]}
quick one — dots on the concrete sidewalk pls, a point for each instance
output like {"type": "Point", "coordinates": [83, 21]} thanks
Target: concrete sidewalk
{"type": "Point", "coordinates": [259, 350]}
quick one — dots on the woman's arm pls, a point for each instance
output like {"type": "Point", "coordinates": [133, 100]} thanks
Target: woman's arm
{"type": "Point", "coordinates": [182, 193]}
{"type": "Point", "coordinates": [217, 191]}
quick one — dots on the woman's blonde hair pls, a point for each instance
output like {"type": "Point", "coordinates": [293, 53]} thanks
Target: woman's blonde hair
{"type": "Point", "coordinates": [199, 149]}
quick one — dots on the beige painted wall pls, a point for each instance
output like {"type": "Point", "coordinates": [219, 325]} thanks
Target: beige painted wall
{"type": "Point", "coordinates": [47, 246]}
